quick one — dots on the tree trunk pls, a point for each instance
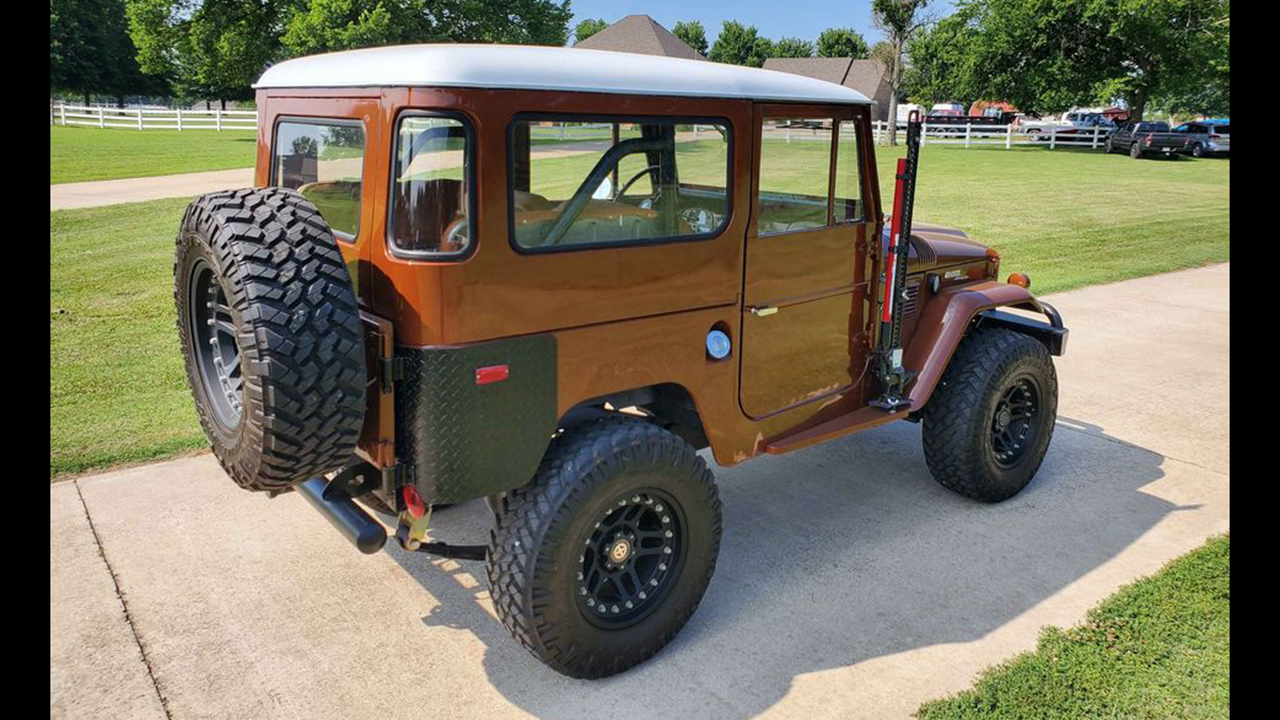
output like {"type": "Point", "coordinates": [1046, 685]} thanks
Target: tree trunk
{"type": "Point", "coordinates": [119, 101]}
{"type": "Point", "coordinates": [208, 105]}
{"type": "Point", "coordinates": [86, 99]}
{"type": "Point", "coordinates": [224, 103]}
{"type": "Point", "coordinates": [1139, 105]}
{"type": "Point", "coordinates": [895, 76]}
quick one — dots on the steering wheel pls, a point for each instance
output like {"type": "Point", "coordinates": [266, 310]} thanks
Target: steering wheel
{"type": "Point", "coordinates": [451, 233]}
{"type": "Point", "coordinates": [627, 185]}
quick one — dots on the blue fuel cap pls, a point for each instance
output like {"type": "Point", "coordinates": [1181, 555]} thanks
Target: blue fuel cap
{"type": "Point", "coordinates": [718, 344]}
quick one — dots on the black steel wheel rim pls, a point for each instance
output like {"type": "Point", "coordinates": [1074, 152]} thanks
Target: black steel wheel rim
{"type": "Point", "coordinates": [1015, 424]}
{"type": "Point", "coordinates": [214, 345]}
{"type": "Point", "coordinates": [630, 558]}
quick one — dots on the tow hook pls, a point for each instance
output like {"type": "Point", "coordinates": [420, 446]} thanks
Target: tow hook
{"type": "Point", "coordinates": [411, 531]}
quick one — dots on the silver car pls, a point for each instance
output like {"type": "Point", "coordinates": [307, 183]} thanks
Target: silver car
{"type": "Point", "coordinates": [1206, 138]}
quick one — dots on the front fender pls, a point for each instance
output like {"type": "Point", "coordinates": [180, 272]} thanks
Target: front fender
{"type": "Point", "coordinates": [943, 322]}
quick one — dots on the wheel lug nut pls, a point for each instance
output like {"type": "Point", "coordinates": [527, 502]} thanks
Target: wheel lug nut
{"type": "Point", "coordinates": [666, 518]}
{"type": "Point", "coordinates": [662, 566]}
{"type": "Point", "coordinates": [614, 609]}
{"type": "Point", "coordinates": [666, 550]}
{"type": "Point", "coordinates": [591, 602]}
{"type": "Point", "coordinates": [622, 502]}
{"type": "Point", "coordinates": [654, 582]}
{"type": "Point", "coordinates": [601, 608]}
{"type": "Point", "coordinates": [630, 605]}
{"type": "Point", "coordinates": [658, 508]}
{"type": "Point", "coordinates": [635, 498]}
{"type": "Point", "coordinates": [669, 534]}
{"type": "Point", "coordinates": [642, 595]}
{"type": "Point", "coordinates": [582, 591]}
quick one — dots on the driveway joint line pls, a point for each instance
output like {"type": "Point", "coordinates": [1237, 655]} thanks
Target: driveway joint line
{"type": "Point", "coordinates": [128, 617]}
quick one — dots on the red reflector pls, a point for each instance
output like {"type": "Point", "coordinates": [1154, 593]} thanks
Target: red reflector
{"type": "Point", "coordinates": [413, 501]}
{"type": "Point", "coordinates": [491, 374]}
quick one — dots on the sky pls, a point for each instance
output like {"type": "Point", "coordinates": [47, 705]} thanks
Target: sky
{"type": "Point", "coordinates": [786, 18]}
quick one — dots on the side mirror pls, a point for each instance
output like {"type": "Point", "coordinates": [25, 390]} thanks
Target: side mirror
{"type": "Point", "coordinates": [605, 190]}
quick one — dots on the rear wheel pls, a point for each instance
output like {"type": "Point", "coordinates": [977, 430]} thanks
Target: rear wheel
{"type": "Point", "coordinates": [1135, 150]}
{"type": "Point", "coordinates": [271, 336]}
{"type": "Point", "coordinates": [988, 424]}
{"type": "Point", "coordinates": [599, 562]}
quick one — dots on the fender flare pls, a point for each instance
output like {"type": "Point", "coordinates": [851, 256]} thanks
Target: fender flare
{"type": "Point", "coordinates": [944, 320]}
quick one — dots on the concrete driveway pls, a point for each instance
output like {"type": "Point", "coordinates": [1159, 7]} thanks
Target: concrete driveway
{"type": "Point", "coordinates": [849, 583]}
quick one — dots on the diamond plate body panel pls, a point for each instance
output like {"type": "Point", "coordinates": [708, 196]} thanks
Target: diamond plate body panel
{"type": "Point", "coordinates": [464, 440]}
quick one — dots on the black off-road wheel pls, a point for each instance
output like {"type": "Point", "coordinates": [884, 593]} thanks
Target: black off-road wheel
{"type": "Point", "coordinates": [599, 562]}
{"type": "Point", "coordinates": [271, 336]}
{"type": "Point", "coordinates": [988, 424]}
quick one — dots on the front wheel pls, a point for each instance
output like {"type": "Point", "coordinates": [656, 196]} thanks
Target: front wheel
{"type": "Point", "coordinates": [1197, 150]}
{"type": "Point", "coordinates": [597, 564]}
{"type": "Point", "coordinates": [988, 425]}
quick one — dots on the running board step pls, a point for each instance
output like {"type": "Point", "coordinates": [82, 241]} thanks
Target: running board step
{"type": "Point", "coordinates": [863, 419]}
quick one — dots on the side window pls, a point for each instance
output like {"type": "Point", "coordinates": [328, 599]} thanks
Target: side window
{"type": "Point", "coordinates": [323, 160]}
{"type": "Point", "coordinates": [429, 209]}
{"type": "Point", "coordinates": [849, 207]}
{"type": "Point", "coordinates": [795, 170]}
{"type": "Point", "coordinates": [611, 181]}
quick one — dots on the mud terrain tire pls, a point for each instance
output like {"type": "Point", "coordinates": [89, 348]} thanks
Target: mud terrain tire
{"type": "Point", "coordinates": [544, 549]}
{"type": "Point", "coordinates": [271, 336]}
{"type": "Point", "coordinates": [965, 441]}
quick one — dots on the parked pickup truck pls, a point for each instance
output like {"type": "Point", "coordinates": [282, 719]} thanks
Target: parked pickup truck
{"type": "Point", "coordinates": [1145, 138]}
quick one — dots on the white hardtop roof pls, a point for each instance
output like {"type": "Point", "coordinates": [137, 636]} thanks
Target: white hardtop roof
{"type": "Point", "coordinates": [527, 67]}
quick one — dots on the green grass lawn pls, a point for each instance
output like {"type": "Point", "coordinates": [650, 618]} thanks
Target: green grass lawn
{"type": "Point", "coordinates": [80, 153]}
{"type": "Point", "coordinates": [1158, 648]}
{"type": "Point", "coordinates": [118, 392]}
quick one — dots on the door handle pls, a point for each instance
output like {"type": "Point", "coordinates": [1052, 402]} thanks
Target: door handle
{"type": "Point", "coordinates": [764, 311]}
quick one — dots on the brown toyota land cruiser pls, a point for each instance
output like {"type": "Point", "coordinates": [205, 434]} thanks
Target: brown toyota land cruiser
{"type": "Point", "coordinates": [549, 277]}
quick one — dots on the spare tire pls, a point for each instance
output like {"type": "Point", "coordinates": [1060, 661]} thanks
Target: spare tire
{"type": "Point", "coordinates": [271, 335]}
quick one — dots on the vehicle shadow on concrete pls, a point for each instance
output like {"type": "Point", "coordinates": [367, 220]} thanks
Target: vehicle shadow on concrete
{"type": "Point", "coordinates": [832, 556]}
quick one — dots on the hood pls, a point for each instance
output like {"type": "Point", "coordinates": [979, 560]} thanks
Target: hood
{"type": "Point", "coordinates": [934, 246]}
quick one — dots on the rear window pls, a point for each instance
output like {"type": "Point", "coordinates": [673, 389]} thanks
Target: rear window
{"type": "Point", "coordinates": [1222, 130]}
{"type": "Point", "coordinates": [579, 183]}
{"type": "Point", "coordinates": [323, 160]}
{"type": "Point", "coordinates": [431, 187]}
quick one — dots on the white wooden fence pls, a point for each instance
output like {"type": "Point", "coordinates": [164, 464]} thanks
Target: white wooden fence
{"type": "Point", "coordinates": [966, 135]}
{"type": "Point", "coordinates": [152, 119]}
{"type": "Point", "coordinates": [1005, 135]}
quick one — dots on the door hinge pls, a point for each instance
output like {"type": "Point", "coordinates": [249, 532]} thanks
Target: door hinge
{"type": "Point", "coordinates": [390, 370]}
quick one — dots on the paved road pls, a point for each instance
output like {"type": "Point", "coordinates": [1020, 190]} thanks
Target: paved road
{"type": "Point", "coordinates": [110, 192]}
{"type": "Point", "coordinates": [856, 588]}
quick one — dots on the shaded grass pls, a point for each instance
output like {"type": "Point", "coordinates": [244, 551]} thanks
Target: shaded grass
{"type": "Point", "coordinates": [1158, 648]}
{"type": "Point", "coordinates": [118, 391]}
{"type": "Point", "coordinates": [79, 154]}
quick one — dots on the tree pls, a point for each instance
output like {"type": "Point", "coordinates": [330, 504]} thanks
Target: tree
{"type": "Point", "coordinates": [739, 44]}
{"type": "Point", "coordinates": [90, 51]}
{"type": "Point", "coordinates": [789, 47]}
{"type": "Point", "coordinates": [693, 35]}
{"type": "Point", "coordinates": [1049, 55]}
{"type": "Point", "coordinates": [841, 43]}
{"type": "Point", "coordinates": [586, 28]}
{"type": "Point", "coordinates": [328, 25]}
{"type": "Point", "coordinates": [900, 20]}
{"type": "Point", "coordinates": [213, 50]}
{"type": "Point", "coordinates": [940, 66]}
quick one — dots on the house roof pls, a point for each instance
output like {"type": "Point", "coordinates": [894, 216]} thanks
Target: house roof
{"type": "Point", "coordinates": [864, 76]}
{"type": "Point", "coordinates": [526, 67]}
{"type": "Point", "coordinates": [639, 34]}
